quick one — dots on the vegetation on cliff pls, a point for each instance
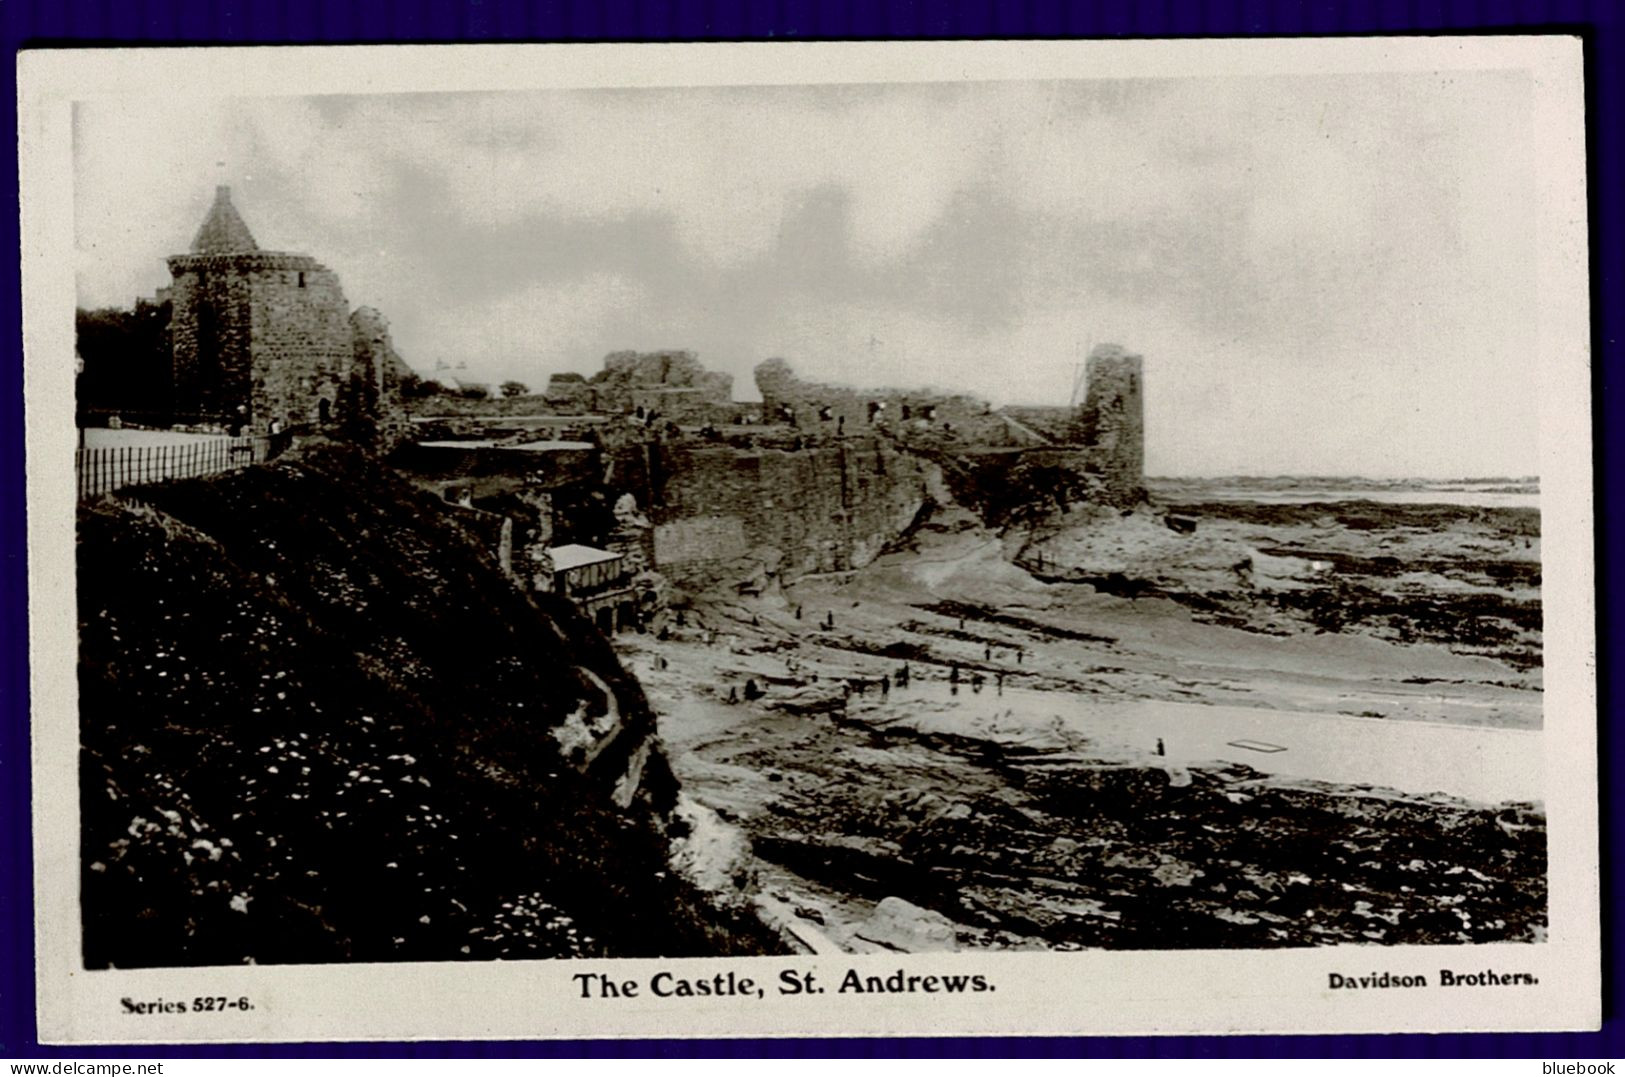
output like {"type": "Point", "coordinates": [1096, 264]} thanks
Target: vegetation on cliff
{"type": "Point", "coordinates": [319, 724]}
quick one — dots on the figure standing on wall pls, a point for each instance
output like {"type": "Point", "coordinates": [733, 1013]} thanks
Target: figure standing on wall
{"type": "Point", "coordinates": [1161, 750]}
{"type": "Point", "coordinates": [885, 686]}
{"type": "Point", "coordinates": [953, 673]}
{"type": "Point", "coordinates": [1001, 682]}
{"type": "Point", "coordinates": [987, 653]}
{"type": "Point", "coordinates": [798, 613]}
{"type": "Point", "coordinates": [903, 676]}
{"type": "Point", "coordinates": [733, 694]}
{"type": "Point", "coordinates": [840, 427]}
{"type": "Point", "coordinates": [752, 692]}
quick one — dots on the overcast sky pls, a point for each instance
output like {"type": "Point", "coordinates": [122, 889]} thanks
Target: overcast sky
{"type": "Point", "coordinates": [1327, 275]}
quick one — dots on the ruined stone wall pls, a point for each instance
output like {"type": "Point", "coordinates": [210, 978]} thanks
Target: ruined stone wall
{"type": "Point", "coordinates": [928, 412]}
{"type": "Point", "coordinates": [673, 382]}
{"type": "Point", "coordinates": [303, 344]}
{"type": "Point", "coordinates": [570, 393]}
{"type": "Point", "coordinates": [377, 378]}
{"type": "Point", "coordinates": [724, 514]}
{"type": "Point", "coordinates": [683, 406]}
{"type": "Point", "coordinates": [1112, 421]}
{"type": "Point", "coordinates": [1099, 451]}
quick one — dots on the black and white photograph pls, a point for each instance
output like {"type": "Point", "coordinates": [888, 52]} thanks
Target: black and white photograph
{"type": "Point", "coordinates": [822, 539]}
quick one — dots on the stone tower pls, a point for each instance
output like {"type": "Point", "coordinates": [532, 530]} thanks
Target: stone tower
{"type": "Point", "coordinates": [1112, 421]}
{"type": "Point", "coordinates": [256, 335]}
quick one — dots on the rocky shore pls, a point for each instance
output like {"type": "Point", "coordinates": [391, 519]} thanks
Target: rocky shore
{"type": "Point", "coordinates": [975, 805]}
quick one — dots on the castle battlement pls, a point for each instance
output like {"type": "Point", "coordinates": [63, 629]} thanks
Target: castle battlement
{"type": "Point", "coordinates": [245, 262]}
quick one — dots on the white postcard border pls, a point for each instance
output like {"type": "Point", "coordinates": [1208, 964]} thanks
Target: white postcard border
{"type": "Point", "coordinates": [1102, 992]}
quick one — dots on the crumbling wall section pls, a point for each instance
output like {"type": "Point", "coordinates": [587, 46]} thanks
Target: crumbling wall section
{"type": "Point", "coordinates": [377, 378]}
{"type": "Point", "coordinates": [1112, 421]}
{"type": "Point", "coordinates": [725, 513]}
{"type": "Point", "coordinates": [819, 407]}
{"type": "Point", "coordinates": [570, 393]}
{"type": "Point", "coordinates": [673, 383]}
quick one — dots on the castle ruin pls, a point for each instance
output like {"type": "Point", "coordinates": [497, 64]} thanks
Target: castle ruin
{"type": "Point", "coordinates": [1111, 420]}
{"type": "Point", "coordinates": [264, 339]}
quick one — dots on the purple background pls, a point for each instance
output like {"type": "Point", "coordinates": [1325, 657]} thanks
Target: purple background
{"type": "Point", "coordinates": [55, 23]}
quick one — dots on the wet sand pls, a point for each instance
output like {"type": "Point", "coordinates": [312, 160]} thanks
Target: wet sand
{"type": "Point", "coordinates": [825, 780]}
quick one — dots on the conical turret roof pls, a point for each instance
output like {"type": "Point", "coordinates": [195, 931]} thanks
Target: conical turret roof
{"type": "Point", "coordinates": [223, 231]}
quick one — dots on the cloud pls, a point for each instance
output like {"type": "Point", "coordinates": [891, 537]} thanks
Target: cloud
{"type": "Point", "coordinates": [502, 337]}
{"type": "Point", "coordinates": [1352, 251]}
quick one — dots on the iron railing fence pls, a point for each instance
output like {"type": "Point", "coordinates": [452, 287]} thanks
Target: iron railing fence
{"type": "Point", "coordinates": [109, 468]}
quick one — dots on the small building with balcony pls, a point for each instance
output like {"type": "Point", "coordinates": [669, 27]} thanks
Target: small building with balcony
{"type": "Point", "coordinates": [597, 582]}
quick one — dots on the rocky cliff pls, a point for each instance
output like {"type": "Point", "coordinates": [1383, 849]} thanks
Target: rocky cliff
{"type": "Point", "coordinates": [319, 724]}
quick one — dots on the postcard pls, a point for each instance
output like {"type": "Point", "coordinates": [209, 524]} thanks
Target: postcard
{"type": "Point", "coordinates": [861, 539]}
